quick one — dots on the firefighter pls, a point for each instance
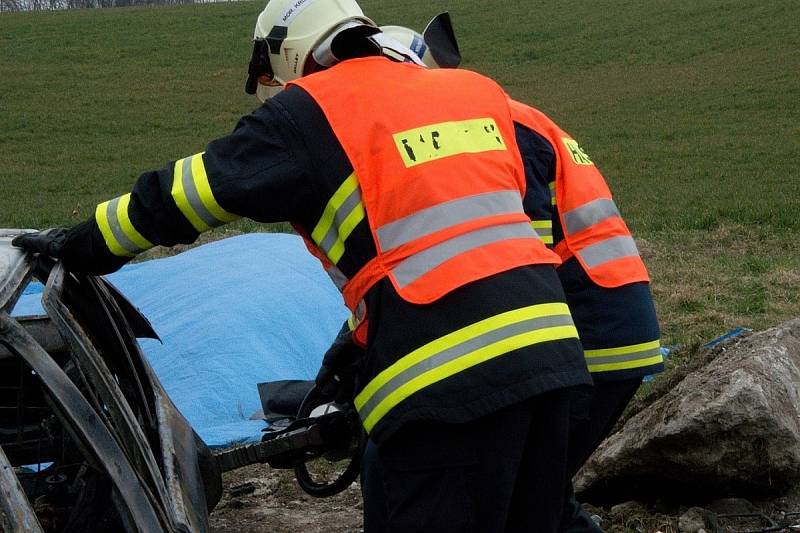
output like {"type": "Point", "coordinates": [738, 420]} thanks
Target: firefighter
{"type": "Point", "coordinates": [605, 282]}
{"type": "Point", "coordinates": [408, 185]}
{"type": "Point", "coordinates": [603, 276]}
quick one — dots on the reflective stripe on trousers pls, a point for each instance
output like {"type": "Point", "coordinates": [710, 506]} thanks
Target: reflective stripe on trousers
{"type": "Point", "coordinates": [119, 234]}
{"type": "Point", "coordinates": [459, 351]}
{"type": "Point", "coordinates": [624, 357]}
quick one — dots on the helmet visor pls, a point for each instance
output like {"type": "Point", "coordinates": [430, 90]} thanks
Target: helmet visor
{"type": "Point", "coordinates": [259, 66]}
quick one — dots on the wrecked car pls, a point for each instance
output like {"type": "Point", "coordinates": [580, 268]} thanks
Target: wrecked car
{"type": "Point", "coordinates": [89, 438]}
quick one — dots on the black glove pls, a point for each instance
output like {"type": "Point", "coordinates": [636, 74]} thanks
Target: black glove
{"type": "Point", "coordinates": [336, 379]}
{"type": "Point", "coordinates": [47, 242]}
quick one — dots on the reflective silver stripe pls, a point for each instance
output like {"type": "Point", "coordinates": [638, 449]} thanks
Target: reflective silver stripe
{"type": "Point", "coordinates": [589, 214]}
{"type": "Point", "coordinates": [337, 276]}
{"type": "Point", "coordinates": [193, 196]}
{"type": "Point", "coordinates": [447, 214]}
{"type": "Point", "coordinates": [608, 250]}
{"type": "Point", "coordinates": [350, 203]}
{"type": "Point", "coordinates": [361, 311]}
{"type": "Point", "coordinates": [116, 228]}
{"type": "Point", "coordinates": [423, 262]}
{"type": "Point", "coordinates": [459, 350]}
{"type": "Point", "coordinates": [543, 232]}
{"type": "Point", "coordinates": [643, 354]}
{"type": "Point", "coordinates": [356, 318]}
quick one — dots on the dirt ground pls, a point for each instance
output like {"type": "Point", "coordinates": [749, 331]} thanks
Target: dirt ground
{"type": "Point", "coordinates": [278, 505]}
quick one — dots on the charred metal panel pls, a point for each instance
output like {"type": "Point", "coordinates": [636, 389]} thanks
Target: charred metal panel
{"type": "Point", "coordinates": [77, 392]}
{"type": "Point", "coordinates": [116, 410]}
{"type": "Point", "coordinates": [42, 329]}
{"type": "Point", "coordinates": [86, 423]}
{"type": "Point", "coordinates": [15, 269]}
{"type": "Point", "coordinates": [19, 514]}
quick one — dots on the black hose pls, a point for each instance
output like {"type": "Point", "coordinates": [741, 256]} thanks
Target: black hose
{"type": "Point", "coordinates": [350, 474]}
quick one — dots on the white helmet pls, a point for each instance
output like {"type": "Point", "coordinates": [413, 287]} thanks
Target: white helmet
{"type": "Point", "coordinates": [414, 41]}
{"type": "Point", "coordinates": [287, 32]}
{"type": "Point", "coordinates": [437, 48]}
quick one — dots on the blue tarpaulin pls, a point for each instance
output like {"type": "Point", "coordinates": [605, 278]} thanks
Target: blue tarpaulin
{"type": "Point", "coordinates": [231, 314]}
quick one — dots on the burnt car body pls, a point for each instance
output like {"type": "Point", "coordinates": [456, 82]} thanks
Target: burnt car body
{"type": "Point", "coordinates": [77, 395]}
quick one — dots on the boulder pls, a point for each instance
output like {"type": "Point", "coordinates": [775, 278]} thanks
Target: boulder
{"type": "Point", "coordinates": [731, 506]}
{"type": "Point", "coordinates": [730, 428]}
{"type": "Point", "coordinates": [692, 521]}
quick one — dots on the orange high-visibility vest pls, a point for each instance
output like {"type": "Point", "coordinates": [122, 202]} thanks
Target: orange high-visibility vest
{"type": "Point", "coordinates": [594, 231]}
{"type": "Point", "coordinates": [439, 172]}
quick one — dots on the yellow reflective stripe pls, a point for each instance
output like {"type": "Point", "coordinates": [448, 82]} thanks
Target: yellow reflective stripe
{"type": "Point", "coordinates": [127, 226]}
{"type": "Point", "coordinates": [348, 225]}
{"type": "Point", "coordinates": [625, 365]}
{"type": "Point", "coordinates": [552, 186]}
{"type": "Point", "coordinates": [336, 201]}
{"type": "Point", "coordinates": [458, 337]}
{"type": "Point", "coordinates": [544, 229]}
{"type": "Point", "coordinates": [623, 350]}
{"type": "Point", "coordinates": [343, 212]}
{"type": "Point", "coordinates": [101, 217]}
{"type": "Point", "coordinates": [351, 322]}
{"type": "Point", "coordinates": [624, 357]}
{"type": "Point", "coordinates": [181, 200]}
{"type": "Point", "coordinates": [204, 190]}
{"type": "Point", "coordinates": [435, 141]}
{"type": "Point", "coordinates": [474, 358]}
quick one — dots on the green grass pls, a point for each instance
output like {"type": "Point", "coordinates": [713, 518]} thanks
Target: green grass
{"type": "Point", "coordinates": [690, 109]}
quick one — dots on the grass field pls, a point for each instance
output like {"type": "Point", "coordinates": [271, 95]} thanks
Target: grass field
{"type": "Point", "coordinates": [690, 108]}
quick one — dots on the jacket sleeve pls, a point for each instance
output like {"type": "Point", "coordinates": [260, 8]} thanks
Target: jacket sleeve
{"type": "Point", "coordinates": [258, 172]}
{"type": "Point", "coordinates": [538, 160]}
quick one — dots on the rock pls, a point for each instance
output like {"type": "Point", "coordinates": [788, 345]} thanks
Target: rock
{"type": "Point", "coordinates": [732, 427]}
{"type": "Point", "coordinates": [661, 506]}
{"type": "Point", "coordinates": [235, 503]}
{"type": "Point", "coordinates": [731, 506]}
{"type": "Point", "coordinates": [692, 521]}
{"type": "Point", "coordinates": [627, 508]}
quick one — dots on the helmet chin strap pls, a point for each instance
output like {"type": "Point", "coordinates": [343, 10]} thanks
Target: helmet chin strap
{"type": "Point", "coordinates": [356, 39]}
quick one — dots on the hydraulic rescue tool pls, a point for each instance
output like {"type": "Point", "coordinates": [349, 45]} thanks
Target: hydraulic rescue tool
{"type": "Point", "coordinates": [328, 431]}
